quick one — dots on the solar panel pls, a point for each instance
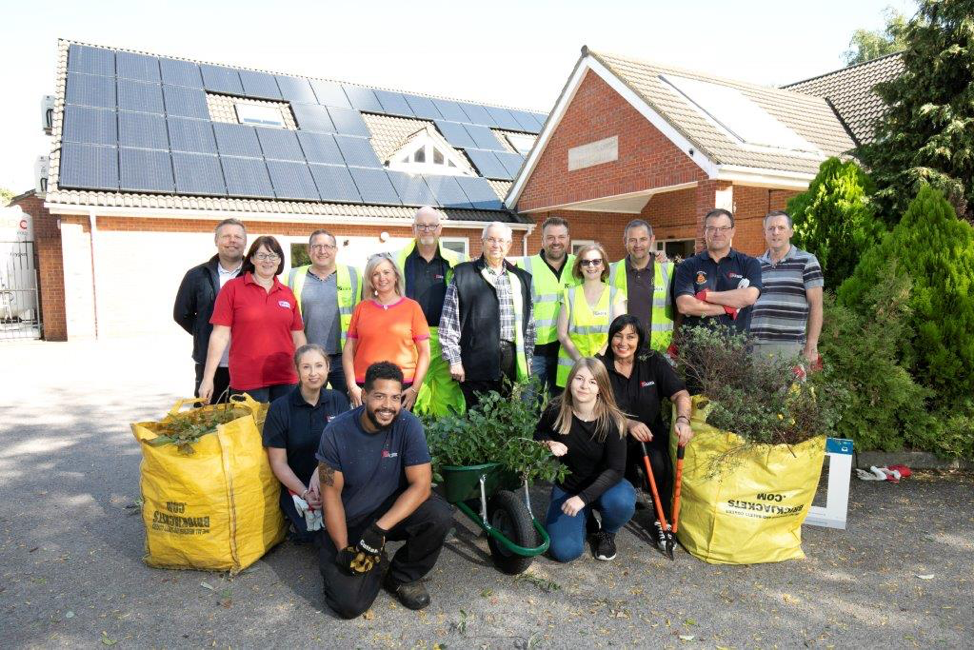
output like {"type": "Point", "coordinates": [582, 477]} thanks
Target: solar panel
{"type": "Point", "coordinates": [140, 96]}
{"type": "Point", "coordinates": [450, 110]}
{"type": "Point", "coordinates": [89, 126]}
{"type": "Point", "coordinates": [296, 90]}
{"type": "Point", "coordinates": [280, 144]}
{"type": "Point", "coordinates": [447, 192]}
{"type": "Point", "coordinates": [311, 117]}
{"type": "Point", "coordinates": [487, 164]}
{"type": "Point", "coordinates": [394, 103]}
{"type": "Point", "coordinates": [198, 174]}
{"type": "Point", "coordinates": [423, 107]}
{"type": "Point", "coordinates": [236, 140]}
{"type": "Point", "coordinates": [259, 84]}
{"type": "Point", "coordinates": [181, 73]}
{"type": "Point", "coordinates": [143, 130]}
{"type": "Point", "coordinates": [194, 136]}
{"type": "Point", "coordinates": [483, 137]}
{"type": "Point", "coordinates": [510, 161]}
{"type": "Point", "coordinates": [137, 66]}
{"type": "Point", "coordinates": [455, 134]}
{"type": "Point", "coordinates": [247, 177]}
{"type": "Point", "coordinates": [528, 123]}
{"type": "Point", "coordinates": [93, 60]}
{"type": "Point", "coordinates": [363, 99]}
{"type": "Point", "coordinates": [477, 114]}
{"type": "Point", "coordinates": [503, 118]}
{"type": "Point", "coordinates": [330, 93]}
{"type": "Point", "coordinates": [88, 167]}
{"type": "Point", "coordinates": [335, 183]}
{"type": "Point", "coordinates": [145, 170]}
{"type": "Point", "coordinates": [357, 151]}
{"type": "Point", "coordinates": [90, 90]}
{"type": "Point", "coordinates": [186, 102]}
{"type": "Point", "coordinates": [292, 180]}
{"type": "Point", "coordinates": [540, 118]}
{"type": "Point", "coordinates": [320, 148]}
{"type": "Point", "coordinates": [479, 192]}
{"type": "Point", "coordinates": [374, 186]}
{"type": "Point", "coordinates": [348, 121]}
{"type": "Point", "coordinates": [412, 190]}
{"type": "Point", "coordinates": [221, 80]}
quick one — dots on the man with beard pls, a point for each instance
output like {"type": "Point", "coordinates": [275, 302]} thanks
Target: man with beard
{"type": "Point", "coordinates": [375, 474]}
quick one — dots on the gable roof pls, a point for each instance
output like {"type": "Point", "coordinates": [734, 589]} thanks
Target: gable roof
{"type": "Point", "coordinates": [713, 147]}
{"type": "Point", "coordinates": [850, 91]}
{"type": "Point", "coordinates": [108, 87]}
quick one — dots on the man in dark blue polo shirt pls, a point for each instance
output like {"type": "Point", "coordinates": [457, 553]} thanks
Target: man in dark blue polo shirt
{"type": "Point", "coordinates": [719, 285]}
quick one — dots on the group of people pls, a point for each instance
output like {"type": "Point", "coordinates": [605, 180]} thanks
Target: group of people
{"type": "Point", "coordinates": [424, 330]}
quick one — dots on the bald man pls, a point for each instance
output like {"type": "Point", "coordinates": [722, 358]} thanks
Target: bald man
{"type": "Point", "coordinates": [428, 267]}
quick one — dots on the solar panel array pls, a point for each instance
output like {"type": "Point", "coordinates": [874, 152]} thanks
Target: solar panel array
{"type": "Point", "coordinates": [134, 122]}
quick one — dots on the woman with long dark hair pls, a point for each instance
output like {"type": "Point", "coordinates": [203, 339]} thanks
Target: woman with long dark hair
{"type": "Point", "coordinates": [586, 431]}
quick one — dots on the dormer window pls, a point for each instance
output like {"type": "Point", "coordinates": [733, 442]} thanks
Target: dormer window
{"type": "Point", "coordinates": [426, 153]}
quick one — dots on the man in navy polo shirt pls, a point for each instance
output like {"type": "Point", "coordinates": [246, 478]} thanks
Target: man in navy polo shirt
{"type": "Point", "coordinates": [719, 285]}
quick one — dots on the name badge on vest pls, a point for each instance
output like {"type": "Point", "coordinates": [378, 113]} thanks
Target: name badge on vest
{"type": "Point", "coordinates": [600, 313]}
{"type": "Point", "coordinates": [284, 303]}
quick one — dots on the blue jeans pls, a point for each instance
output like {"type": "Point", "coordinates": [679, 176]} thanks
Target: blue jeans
{"type": "Point", "coordinates": [543, 370]}
{"type": "Point", "coordinates": [336, 374]}
{"type": "Point", "coordinates": [616, 505]}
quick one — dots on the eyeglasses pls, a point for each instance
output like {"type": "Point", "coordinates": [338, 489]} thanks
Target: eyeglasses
{"type": "Point", "coordinates": [323, 247]}
{"type": "Point", "coordinates": [720, 229]}
{"type": "Point", "coordinates": [426, 227]}
{"type": "Point", "coordinates": [496, 242]}
{"type": "Point", "coordinates": [267, 257]}
{"type": "Point", "coordinates": [596, 262]}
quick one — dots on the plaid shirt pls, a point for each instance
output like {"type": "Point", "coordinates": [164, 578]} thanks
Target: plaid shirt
{"type": "Point", "coordinates": [449, 330]}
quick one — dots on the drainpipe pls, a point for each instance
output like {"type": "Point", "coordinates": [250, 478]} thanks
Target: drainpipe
{"type": "Point", "coordinates": [524, 240]}
{"type": "Point", "coordinates": [93, 230]}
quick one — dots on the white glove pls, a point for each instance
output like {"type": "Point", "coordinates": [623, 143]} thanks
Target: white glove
{"type": "Point", "coordinates": [300, 505]}
{"type": "Point", "coordinates": [313, 520]}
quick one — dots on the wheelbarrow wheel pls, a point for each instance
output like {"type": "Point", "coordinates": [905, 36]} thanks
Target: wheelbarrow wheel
{"type": "Point", "coordinates": [511, 518]}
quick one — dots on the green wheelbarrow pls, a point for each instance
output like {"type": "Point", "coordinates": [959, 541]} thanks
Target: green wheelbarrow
{"type": "Point", "coordinates": [512, 531]}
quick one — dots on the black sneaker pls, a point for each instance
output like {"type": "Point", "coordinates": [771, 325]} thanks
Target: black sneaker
{"type": "Point", "coordinates": [660, 536]}
{"type": "Point", "coordinates": [605, 546]}
{"type": "Point", "coordinates": [592, 525]}
{"type": "Point", "coordinates": [412, 595]}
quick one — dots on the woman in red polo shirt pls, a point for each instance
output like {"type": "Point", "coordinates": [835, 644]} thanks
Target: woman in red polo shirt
{"type": "Point", "coordinates": [258, 317]}
{"type": "Point", "coordinates": [389, 327]}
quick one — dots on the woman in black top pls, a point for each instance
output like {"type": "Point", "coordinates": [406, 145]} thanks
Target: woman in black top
{"type": "Point", "coordinates": [292, 433]}
{"type": "Point", "coordinates": [586, 431]}
{"type": "Point", "coordinates": [640, 378]}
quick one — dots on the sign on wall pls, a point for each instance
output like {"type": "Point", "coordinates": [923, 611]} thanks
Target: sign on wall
{"type": "Point", "coordinates": [593, 153]}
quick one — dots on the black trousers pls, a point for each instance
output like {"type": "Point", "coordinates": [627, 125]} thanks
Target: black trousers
{"type": "Point", "coordinates": [221, 382]}
{"type": "Point", "coordinates": [508, 364]}
{"type": "Point", "coordinates": [424, 532]}
{"type": "Point", "coordinates": [662, 465]}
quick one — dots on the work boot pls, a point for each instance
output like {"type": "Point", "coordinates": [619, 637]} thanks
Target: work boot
{"type": "Point", "coordinates": [412, 595]}
{"type": "Point", "coordinates": [605, 546]}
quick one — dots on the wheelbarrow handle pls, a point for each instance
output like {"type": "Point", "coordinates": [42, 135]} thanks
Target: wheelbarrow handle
{"type": "Point", "coordinates": [652, 485]}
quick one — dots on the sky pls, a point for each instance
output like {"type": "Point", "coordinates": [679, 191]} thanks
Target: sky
{"type": "Point", "coordinates": [510, 52]}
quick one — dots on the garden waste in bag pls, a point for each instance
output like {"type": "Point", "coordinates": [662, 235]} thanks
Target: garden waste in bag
{"type": "Point", "coordinates": [213, 503]}
{"type": "Point", "coordinates": [749, 507]}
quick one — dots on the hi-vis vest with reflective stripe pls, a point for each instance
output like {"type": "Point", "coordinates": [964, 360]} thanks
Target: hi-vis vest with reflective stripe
{"type": "Point", "coordinates": [547, 290]}
{"type": "Point", "coordinates": [588, 328]}
{"type": "Point", "coordinates": [348, 286]}
{"type": "Point", "coordinates": [452, 258]}
{"type": "Point", "coordinates": [662, 312]}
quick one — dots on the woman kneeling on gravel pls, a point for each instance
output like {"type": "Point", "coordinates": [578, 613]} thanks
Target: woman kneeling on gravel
{"type": "Point", "coordinates": [586, 431]}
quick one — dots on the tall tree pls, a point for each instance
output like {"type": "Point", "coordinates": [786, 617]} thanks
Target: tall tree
{"type": "Point", "coordinates": [866, 45]}
{"type": "Point", "coordinates": [927, 134]}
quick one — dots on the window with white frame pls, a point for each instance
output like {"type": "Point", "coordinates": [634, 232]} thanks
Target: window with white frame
{"type": "Point", "coordinates": [521, 142]}
{"type": "Point", "coordinates": [456, 244]}
{"type": "Point", "coordinates": [259, 115]}
{"type": "Point", "coordinates": [676, 248]}
{"type": "Point", "coordinates": [424, 154]}
{"type": "Point", "coordinates": [577, 244]}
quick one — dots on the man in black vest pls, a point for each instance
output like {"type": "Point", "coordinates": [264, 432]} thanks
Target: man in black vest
{"type": "Point", "coordinates": [487, 326]}
{"type": "Point", "coordinates": [197, 293]}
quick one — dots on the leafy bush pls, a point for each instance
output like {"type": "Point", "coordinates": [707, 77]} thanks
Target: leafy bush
{"type": "Point", "coordinates": [499, 430]}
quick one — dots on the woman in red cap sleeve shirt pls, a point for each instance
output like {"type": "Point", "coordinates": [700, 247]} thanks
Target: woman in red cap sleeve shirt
{"type": "Point", "coordinates": [258, 317]}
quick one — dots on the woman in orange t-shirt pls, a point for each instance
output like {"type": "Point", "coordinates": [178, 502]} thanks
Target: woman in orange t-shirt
{"type": "Point", "coordinates": [388, 327]}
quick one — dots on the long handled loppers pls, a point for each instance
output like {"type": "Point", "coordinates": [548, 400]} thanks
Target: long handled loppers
{"type": "Point", "coordinates": [667, 532]}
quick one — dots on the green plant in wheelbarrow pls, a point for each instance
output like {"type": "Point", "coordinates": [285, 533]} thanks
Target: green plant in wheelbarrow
{"type": "Point", "coordinates": [481, 458]}
{"type": "Point", "coordinates": [752, 468]}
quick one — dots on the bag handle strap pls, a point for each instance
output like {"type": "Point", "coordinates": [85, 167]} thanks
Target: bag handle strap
{"type": "Point", "coordinates": [183, 402]}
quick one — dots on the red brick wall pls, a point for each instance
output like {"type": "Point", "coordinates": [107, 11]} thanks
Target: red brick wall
{"type": "Point", "coordinates": [647, 158]}
{"type": "Point", "coordinates": [50, 268]}
{"type": "Point", "coordinates": [751, 204]}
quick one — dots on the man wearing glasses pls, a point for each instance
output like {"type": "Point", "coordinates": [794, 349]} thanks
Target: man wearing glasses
{"type": "Point", "coordinates": [720, 284]}
{"type": "Point", "coordinates": [428, 268]}
{"type": "Point", "coordinates": [327, 293]}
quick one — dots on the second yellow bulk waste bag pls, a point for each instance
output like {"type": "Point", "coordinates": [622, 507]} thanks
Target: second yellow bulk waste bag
{"type": "Point", "coordinates": [217, 507]}
{"type": "Point", "coordinates": [744, 505]}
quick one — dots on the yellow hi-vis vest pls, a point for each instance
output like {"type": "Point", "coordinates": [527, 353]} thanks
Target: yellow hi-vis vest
{"type": "Point", "coordinates": [662, 312]}
{"type": "Point", "coordinates": [547, 291]}
{"type": "Point", "coordinates": [588, 328]}
{"type": "Point", "coordinates": [452, 258]}
{"type": "Point", "coordinates": [349, 288]}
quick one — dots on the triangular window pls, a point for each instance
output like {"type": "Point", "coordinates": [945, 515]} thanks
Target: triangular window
{"type": "Point", "coordinates": [425, 152]}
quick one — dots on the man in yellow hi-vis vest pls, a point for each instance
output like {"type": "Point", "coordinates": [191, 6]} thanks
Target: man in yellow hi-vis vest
{"type": "Point", "coordinates": [428, 268]}
{"type": "Point", "coordinates": [646, 282]}
{"type": "Point", "coordinates": [551, 274]}
{"type": "Point", "coordinates": [327, 293]}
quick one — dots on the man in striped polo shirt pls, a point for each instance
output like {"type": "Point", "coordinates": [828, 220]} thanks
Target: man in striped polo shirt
{"type": "Point", "coordinates": [787, 318]}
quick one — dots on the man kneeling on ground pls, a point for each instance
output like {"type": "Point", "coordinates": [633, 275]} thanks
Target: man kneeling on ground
{"type": "Point", "coordinates": [375, 474]}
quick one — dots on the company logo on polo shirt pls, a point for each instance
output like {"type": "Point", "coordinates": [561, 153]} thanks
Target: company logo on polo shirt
{"type": "Point", "coordinates": [387, 454]}
{"type": "Point", "coordinates": [734, 276]}
{"type": "Point", "coordinates": [284, 303]}
{"type": "Point", "coordinates": [644, 384]}
{"type": "Point", "coordinates": [329, 418]}
{"type": "Point", "coordinates": [437, 276]}
{"type": "Point", "coordinates": [701, 277]}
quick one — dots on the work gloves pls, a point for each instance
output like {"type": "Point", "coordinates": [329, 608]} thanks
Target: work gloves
{"type": "Point", "coordinates": [312, 517]}
{"type": "Point", "coordinates": [365, 555]}
{"type": "Point", "coordinates": [730, 311]}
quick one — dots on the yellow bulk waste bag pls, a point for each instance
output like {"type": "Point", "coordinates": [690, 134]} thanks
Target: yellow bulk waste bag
{"type": "Point", "coordinates": [752, 508]}
{"type": "Point", "coordinates": [216, 508]}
